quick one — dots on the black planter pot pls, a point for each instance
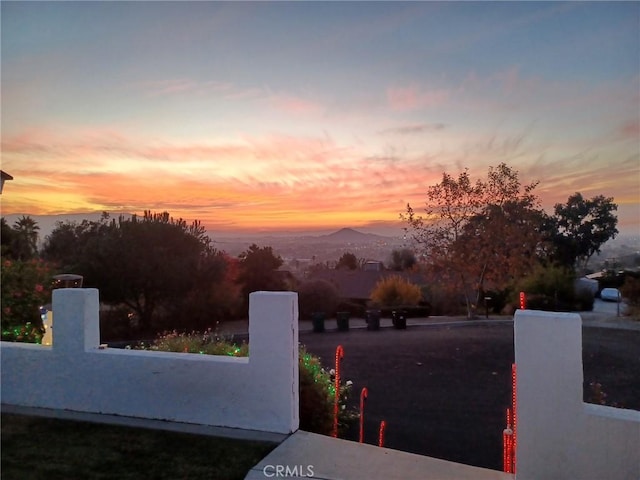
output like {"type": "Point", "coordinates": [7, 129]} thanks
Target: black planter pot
{"type": "Point", "coordinates": [317, 319]}
{"type": "Point", "coordinates": [343, 321]}
{"type": "Point", "coordinates": [373, 319]}
{"type": "Point", "coordinates": [399, 319]}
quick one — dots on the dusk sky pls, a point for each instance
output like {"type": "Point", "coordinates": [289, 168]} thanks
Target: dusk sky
{"type": "Point", "coordinates": [313, 116]}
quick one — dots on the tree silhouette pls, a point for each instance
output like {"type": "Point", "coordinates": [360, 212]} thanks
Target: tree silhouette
{"type": "Point", "coordinates": [26, 238]}
{"type": "Point", "coordinates": [583, 226]}
{"type": "Point", "coordinates": [470, 229]}
{"type": "Point", "coordinates": [347, 261]}
{"type": "Point", "coordinates": [7, 235]}
{"type": "Point", "coordinates": [258, 271]}
{"type": "Point", "coordinates": [402, 259]}
{"type": "Point", "coordinates": [149, 263]}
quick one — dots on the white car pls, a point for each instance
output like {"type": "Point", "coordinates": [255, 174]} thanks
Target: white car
{"type": "Point", "coordinates": [610, 294]}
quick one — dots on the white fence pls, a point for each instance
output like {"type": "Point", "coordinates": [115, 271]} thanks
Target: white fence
{"type": "Point", "coordinates": [558, 435]}
{"type": "Point", "coordinates": [257, 393]}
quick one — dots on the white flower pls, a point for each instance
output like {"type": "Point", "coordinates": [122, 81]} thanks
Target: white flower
{"type": "Point", "coordinates": [332, 372]}
{"type": "Point", "coordinates": [349, 383]}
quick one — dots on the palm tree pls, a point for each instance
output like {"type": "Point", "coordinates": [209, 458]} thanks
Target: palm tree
{"type": "Point", "coordinates": [26, 238]}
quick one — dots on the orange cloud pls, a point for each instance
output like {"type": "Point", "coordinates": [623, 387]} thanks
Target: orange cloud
{"type": "Point", "coordinates": [275, 181]}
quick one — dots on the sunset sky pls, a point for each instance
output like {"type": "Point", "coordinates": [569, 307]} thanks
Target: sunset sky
{"type": "Point", "coordinates": [313, 116]}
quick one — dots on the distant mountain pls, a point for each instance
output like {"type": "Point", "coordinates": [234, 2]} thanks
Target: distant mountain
{"type": "Point", "coordinates": [349, 235]}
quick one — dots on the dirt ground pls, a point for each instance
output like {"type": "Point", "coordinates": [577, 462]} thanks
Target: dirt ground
{"type": "Point", "coordinates": [443, 390]}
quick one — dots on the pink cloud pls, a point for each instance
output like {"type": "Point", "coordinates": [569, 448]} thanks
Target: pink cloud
{"type": "Point", "coordinates": [296, 105]}
{"type": "Point", "coordinates": [415, 97]}
{"type": "Point", "coordinates": [630, 130]}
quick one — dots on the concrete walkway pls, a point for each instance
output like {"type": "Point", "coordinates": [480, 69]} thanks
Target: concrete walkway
{"type": "Point", "coordinates": [308, 455]}
{"type": "Point", "coordinates": [301, 455]}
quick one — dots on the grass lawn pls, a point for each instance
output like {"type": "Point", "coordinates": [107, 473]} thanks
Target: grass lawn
{"type": "Point", "coordinates": [39, 448]}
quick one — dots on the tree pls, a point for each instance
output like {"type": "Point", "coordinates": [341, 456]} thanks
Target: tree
{"type": "Point", "coordinates": [25, 238]}
{"type": "Point", "coordinates": [583, 226]}
{"type": "Point", "coordinates": [214, 296]}
{"type": "Point", "coordinates": [347, 261]}
{"type": "Point", "coordinates": [7, 235]}
{"type": "Point", "coordinates": [258, 271]}
{"type": "Point", "coordinates": [317, 296]}
{"type": "Point", "coordinates": [502, 244]}
{"type": "Point", "coordinates": [147, 263]}
{"type": "Point", "coordinates": [66, 243]}
{"type": "Point", "coordinates": [402, 259]}
{"type": "Point", "coordinates": [468, 229]}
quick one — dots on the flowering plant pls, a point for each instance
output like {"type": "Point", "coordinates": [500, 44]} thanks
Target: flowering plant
{"type": "Point", "coordinates": [316, 386]}
{"type": "Point", "coordinates": [207, 343]}
{"type": "Point", "coordinates": [317, 397]}
{"type": "Point", "coordinates": [26, 286]}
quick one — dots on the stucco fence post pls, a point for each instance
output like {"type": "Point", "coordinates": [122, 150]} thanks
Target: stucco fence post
{"type": "Point", "coordinates": [559, 436]}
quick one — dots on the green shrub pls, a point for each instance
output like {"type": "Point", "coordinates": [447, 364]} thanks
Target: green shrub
{"type": "Point", "coordinates": [115, 324]}
{"type": "Point", "coordinates": [395, 291]}
{"type": "Point", "coordinates": [317, 397]}
{"type": "Point", "coordinates": [553, 282]}
{"type": "Point", "coordinates": [630, 291]}
{"type": "Point", "coordinates": [584, 300]}
{"type": "Point", "coordinates": [548, 288]}
{"type": "Point", "coordinates": [317, 386]}
{"type": "Point", "coordinates": [442, 301]}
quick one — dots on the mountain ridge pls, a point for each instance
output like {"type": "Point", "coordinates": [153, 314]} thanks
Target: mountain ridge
{"type": "Point", "coordinates": [47, 223]}
{"type": "Point", "coordinates": [350, 235]}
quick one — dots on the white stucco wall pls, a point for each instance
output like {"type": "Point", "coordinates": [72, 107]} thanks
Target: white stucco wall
{"type": "Point", "coordinates": [258, 393]}
{"type": "Point", "coordinates": [558, 435]}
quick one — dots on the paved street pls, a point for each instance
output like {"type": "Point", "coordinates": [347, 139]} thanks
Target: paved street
{"type": "Point", "coordinates": [443, 390]}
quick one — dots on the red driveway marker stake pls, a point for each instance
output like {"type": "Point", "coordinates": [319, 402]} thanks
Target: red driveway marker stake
{"type": "Point", "coordinates": [336, 404]}
{"type": "Point", "coordinates": [523, 301]}
{"type": "Point", "coordinates": [383, 426]}
{"type": "Point", "coordinates": [513, 420]}
{"type": "Point", "coordinates": [363, 397]}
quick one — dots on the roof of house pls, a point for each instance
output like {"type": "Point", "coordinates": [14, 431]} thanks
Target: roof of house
{"type": "Point", "coordinates": [358, 284]}
{"type": "Point", "coordinates": [5, 176]}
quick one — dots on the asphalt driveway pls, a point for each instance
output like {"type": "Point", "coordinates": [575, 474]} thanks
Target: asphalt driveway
{"type": "Point", "coordinates": [443, 390]}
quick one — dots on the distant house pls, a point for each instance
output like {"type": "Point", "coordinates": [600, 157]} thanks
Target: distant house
{"type": "Point", "coordinates": [5, 176]}
{"type": "Point", "coordinates": [373, 266]}
{"type": "Point", "coordinates": [356, 285]}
